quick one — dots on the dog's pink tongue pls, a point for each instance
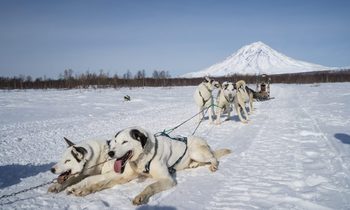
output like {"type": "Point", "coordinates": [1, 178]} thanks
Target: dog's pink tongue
{"type": "Point", "coordinates": [118, 166]}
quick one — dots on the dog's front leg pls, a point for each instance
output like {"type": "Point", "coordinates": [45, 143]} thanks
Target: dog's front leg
{"type": "Point", "coordinates": [228, 113]}
{"type": "Point", "coordinates": [251, 105]}
{"type": "Point", "coordinates": [238, 110]}
{"type": "Point", "coordinates": [160, 172]}
{"type": "Point", "coordinates": [210, 113]}
{"type": "Point", "coordinates": [245, 112]}
{"type": "Point", "coordinates": [160, 185]}
{"type": "Point", "coordinates": [97, 183]}
{"type": "Point", "coordinates": [218, 115]}
{"type": "Point", "coordinates": [56, 187]}
{"type": "Point", "coordinates": [102, 181]}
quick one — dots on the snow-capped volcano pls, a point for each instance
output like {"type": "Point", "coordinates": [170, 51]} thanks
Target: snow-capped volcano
{"type": "Point", "coordinates": [257, 58]}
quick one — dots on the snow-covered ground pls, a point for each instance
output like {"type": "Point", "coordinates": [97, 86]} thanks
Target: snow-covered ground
{"type": "Point", "coordinates": [293, 154]}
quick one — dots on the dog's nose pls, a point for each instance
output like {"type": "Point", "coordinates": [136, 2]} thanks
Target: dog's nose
{"type": "Point", "coordinates": [53, 170]}
{"type": "Point", "coordinates": [111, 154]}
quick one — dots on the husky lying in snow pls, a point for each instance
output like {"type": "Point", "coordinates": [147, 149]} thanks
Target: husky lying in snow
{"type": "Point", "coordinates": [224, 100]}
{"type": "Point", "coordinates": [133, 147]}
{"type": "Point", "coordinates": [77, 163]}
{"type": "Point", "coordinates": [121, 174]}
{"type": "Point", "coordinates": [242, 97]}
{"type": "Point", "coordinates": [203, 96]}
{"type": "Point", "coordinates": [157, 157]}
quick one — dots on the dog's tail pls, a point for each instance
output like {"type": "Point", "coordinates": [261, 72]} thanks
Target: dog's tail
{"type": "Point", "coordinates": [221, 152]}
{"type": "Point", "coordinates": [255, 94]}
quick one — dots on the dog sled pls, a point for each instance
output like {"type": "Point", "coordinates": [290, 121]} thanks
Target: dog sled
{"type": "Point", "coordinates": [262, 88]}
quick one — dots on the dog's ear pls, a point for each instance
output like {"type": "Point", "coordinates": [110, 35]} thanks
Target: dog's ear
{"type": "Point", "coordinates": [220, 85]}
{"type": "Point", "coordinates": [79, 153]}
{"type": "Point", "coordinates": [216, 83]}
{"type": "Point", "coordinates": [225, 85]}
{"type": "Point", "coordinates": [139, 136]}
{"type": "Point", "coordinates": [206, 79]}
{"type": "Point", "coordinates": [117, 134]}
{"type": "Point", "coordinates": [68, 142]}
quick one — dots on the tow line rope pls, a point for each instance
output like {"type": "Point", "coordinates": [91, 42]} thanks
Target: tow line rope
{"type": "Point", "coordinates": [168, 131]}
{"type": "Point", "coordinates": [29, 189]}
{"type": "Point", "coordinates": [46, 183]}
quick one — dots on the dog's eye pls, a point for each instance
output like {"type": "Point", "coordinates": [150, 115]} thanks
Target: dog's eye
{"type": "Point", "coordinates": [66, 161]}
{"type": "Point", "coordinates": [124, 142]}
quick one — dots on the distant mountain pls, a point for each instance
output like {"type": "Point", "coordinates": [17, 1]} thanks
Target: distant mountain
{"type": "Point", "coordinates": [257, 58]}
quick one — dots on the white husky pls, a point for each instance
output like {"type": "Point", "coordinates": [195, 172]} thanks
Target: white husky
{"type": "Point", "coordinates": [159, 156]}
{"type": "Point", "coordinates": [80, 161]}
{"type": "Point", "coordinates": [241, 98]}
{"type": "Point", "coordinates": [224, 100]}
{"type": "Point", "coordinates": [203, 96]}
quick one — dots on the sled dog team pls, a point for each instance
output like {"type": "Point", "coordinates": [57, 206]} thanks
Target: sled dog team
{"type": "Point", "coordinates": [238, 94]}
{"type": "Point", "coordinates": [134, 152]}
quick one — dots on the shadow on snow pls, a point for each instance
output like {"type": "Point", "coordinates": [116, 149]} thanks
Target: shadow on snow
{"type": "Point", "coordinates": [345, 138]}
{"type": "Point", "coordinates": [148, 207]}
{"type": "Point", "coordinates": [12, 174]}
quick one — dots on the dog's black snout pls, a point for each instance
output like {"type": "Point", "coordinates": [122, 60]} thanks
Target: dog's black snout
{"type": "Point", "coordinates": [53, 170]}
{"type": "Point", "coordinates": [111, 154]}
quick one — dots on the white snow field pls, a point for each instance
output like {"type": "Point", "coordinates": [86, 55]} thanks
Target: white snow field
{"type": "Point", "coordinates": [293, 154]}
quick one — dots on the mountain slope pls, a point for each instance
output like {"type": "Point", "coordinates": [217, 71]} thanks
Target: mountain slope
{"type": "Point", "coordinates": [257, 58]}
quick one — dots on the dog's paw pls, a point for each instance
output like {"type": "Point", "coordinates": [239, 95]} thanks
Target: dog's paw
{"type": "Point", "coordinates": [77, 191]}
{"type": "Point", "coordinates": [55, 188]}
{"type": "Point", "coordinates": [193, 164]}
{"type": "Point", "coordinates": [140, 199]}
{"type": "Point", "coordinates": [213, 168]}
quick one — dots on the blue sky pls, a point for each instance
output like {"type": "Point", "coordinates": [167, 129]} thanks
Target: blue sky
{"type": "Point", "coordinates": [45, 37]}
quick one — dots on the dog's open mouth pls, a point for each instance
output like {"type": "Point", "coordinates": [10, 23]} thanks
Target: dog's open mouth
{"type": "Point", "coordinates": [64, 176]}
{"type": "Point", "coordinates": [120, 163]}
